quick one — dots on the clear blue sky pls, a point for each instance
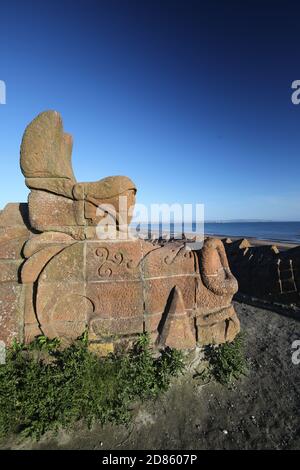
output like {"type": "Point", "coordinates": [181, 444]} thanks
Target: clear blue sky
{"type": "Point", "coordinates": [191, 99]}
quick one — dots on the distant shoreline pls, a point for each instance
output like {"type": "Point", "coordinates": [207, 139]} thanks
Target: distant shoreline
{"type": "Point", "coordinates": [281, 244]}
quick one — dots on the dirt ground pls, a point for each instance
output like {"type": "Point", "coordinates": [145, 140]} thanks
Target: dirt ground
{"type": "Point", "coordinates": [261, 412]}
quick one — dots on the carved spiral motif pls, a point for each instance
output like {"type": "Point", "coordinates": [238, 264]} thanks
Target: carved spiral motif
{"type": "Point", "coordinates": [172, 257]}
{"type": "Point", "coordinates": [107, 262]}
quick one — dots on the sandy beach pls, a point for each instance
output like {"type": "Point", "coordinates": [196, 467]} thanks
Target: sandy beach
{"type": "Point", "coordinates": [282, 246]}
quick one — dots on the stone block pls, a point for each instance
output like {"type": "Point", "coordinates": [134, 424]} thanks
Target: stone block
{"type": "Point", "coordinates": [63, 309]}
{"type": "Point", "coordinates": [220, 332]}
{"type": "Point", "coordinates": [101, 349]}
{"type": "Point", "coordinates": [13, 233]}
{"type": "Point", "coordinates": [169, 260]}
{"type": "Point", "coordinates": [152, 322]}
{"type": "Point", "coordinates": [113, 260]}
{"type": "Point", "coordinates": [108, 327]}
{"type": "Point", "coordinates": [40, 241]}
{"type": "Point", "coordinates": [31, 331]}
{"type": "Point", "coordinates": [67, 266]}
{"type": "Point", "coordinates": [157, 291]}
{"type": "Point", "coordinates": [176, 331]}
{"type": "Point", "coordinates": [46, 149]}
{"type": "Point", "coordinates": [29, 303]}
{"type": "Point", "coordinates": [49, 211]}
{"type": "Point", "coordinates": [12, 249]}
{"type": "Point", "coordinates": [114, 299]}
{"type": "Point", "coordinates": [14, 214]}
{"type": "Point", "coordinates": [10, 270]}
{"type": "Point", "coordinates": [33, 266]}
{"type": "Point", "coordinates": [11, 312]}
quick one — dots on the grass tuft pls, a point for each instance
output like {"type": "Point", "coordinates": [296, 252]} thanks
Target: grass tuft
{"type": "Point", "coordinates": [44, 387]}
{"type": "Point", "coordinates": [227, 362]}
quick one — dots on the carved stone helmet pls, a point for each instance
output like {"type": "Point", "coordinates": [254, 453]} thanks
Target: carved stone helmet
{"type": "Point", "coordinates": [46, 152]}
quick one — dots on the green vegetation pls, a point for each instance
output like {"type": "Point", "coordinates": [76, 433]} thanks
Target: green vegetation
{"type": "Point", "coordinates": [226, 362]}
{"type": "Point", "coordinates": [44, 387]}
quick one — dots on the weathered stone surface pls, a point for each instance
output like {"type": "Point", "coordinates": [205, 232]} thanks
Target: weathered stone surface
{"type": "Point", "coordinates": [46, 149]}
{"type": "Point", "coordinates": [169, 260]}
{"type": "Point", "coordinates": [220, 331]}
{"type": "Point", "coordinates": [66, 310]}
{"type": "Point", "coordinates": [31, 325]}
{"type": "Point", "coordinates": [31, 332]}
{"type": "Point", "coordinates": [103, 285]}
{"type": "Point", "coordinates": [116, 299]}
{"type": "Point", "coordinates": [62, 307]}
{"type": "Point", "coordinates": [11, 312]}
{"type": "Point", "coordinates": [12, 249]}
{"type": "Point", "coordinates": [103, 189]}
{"type": "Point", "coordinates": [59, 186]}
{"type": "Point", "coordinates": [57, 202]}
{"type": "Point", "coordinates": [207, 301]}
{"type": "Point", "coordinates": [101, 349]}
{"type": "Point", "coordinates": [215, 272]}
{"type": "Point", "coordinates": [43, 240]}
{"type": "Point", "coordinates": [10, 270]}
{"type": "Point", "coordinates": [151, 322]}
{"type": "Point", "coordinates": [176, 332]}
{"type": "Point", "coordinates": [68, 266]}
{"type": "Point", "coordinates": [113, 261]}
{"type": "Point", "coordinates": [13, 233]}
{"type": "Point", "coordinates": [51, 212]}
{"type": "Point", "coordinates": [215, 287]}
{"type": "Point", "coordinates": [29, 311]}
{"type": "Point", "coordinates": [110, 327]}
{"type": "Point", "coordinates": [14, 214]}
{"type": "Point", "coordinates": [158, 290]}
{"type": "Point", "coordinates": [226, 240]}
{"type": "Point", "coordinates": [58, 277]}
{"type": "Point", "coordinates": [34, 265]}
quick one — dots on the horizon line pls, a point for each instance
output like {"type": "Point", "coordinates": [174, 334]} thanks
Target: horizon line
{"type": "Point", "coordinates": [219, 221]}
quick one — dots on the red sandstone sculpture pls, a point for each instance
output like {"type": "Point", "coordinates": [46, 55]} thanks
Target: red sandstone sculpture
{"type": "Point", "coordinates": [58, 278]}
{"type": "Point", "coordinates": [56, 201]}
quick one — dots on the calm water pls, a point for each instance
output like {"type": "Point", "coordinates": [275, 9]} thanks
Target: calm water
{"type": "Point", "coordinates": [275, 231]}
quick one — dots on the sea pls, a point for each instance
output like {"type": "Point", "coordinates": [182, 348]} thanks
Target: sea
{"type": "Point", "coordinates": [288, 232]}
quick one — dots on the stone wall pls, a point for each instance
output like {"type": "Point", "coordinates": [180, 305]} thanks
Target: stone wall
{"type": "Point", "coordinates": [55, 285]}
{"type": "Point", "coordinates": [59, 276]}
{"type": "Point", "coordinates": [265, 272]}
{"type": "Point", "coordinates": [14, 232]}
